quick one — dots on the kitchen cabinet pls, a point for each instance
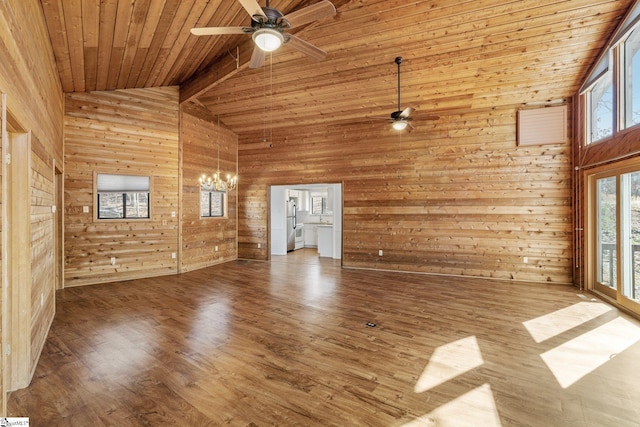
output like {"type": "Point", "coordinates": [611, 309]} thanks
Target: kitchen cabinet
{"type": "Point", "coordinates": [325, 240]}
{"type": "Point", "coordinates": [303, 200]}
{"type": "Point", "coordinates": [310, 235]}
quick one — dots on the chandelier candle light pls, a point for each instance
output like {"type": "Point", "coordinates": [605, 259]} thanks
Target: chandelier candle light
{"type": "Point", "coordinates": [215, 182]}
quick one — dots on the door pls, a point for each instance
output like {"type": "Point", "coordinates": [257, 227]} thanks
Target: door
{"type": "Point", "coordinates": [614, 234]}
{"type": "Point", "coordinates": [607, 236]}
{"type": "Point", "coordinates": [630, 236]}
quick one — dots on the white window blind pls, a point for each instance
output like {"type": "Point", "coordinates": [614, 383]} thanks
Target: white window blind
{"type": "Point", "coordinates": [122, 183]}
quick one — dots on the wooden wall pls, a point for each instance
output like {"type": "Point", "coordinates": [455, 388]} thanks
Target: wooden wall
{"type": "Point", "coordinates": [42, 259]}
{"type": "Point", "coordinates": [143, 132]}
{"type": "Point", "coordinates": [200, 137]}
{"type": "Point", "coordinates": [456, 196]}
{"type": "Point", "coordinates": [34, 102]}
{"type": "Point", "coordinates": [131, 132]}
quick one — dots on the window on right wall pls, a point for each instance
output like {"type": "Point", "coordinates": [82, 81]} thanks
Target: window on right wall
{"type": "Point", "coordinates": [611, 92]}
{"type": "Point", "coordinates": [601, 109]}
{"type": "Point", "coordinates": [631, 59]}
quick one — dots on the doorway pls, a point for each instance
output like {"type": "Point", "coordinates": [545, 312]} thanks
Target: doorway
{"type": "Point", "coordinates": [317, 219]}
{"type": "Point", "coordinates": [613, 255]}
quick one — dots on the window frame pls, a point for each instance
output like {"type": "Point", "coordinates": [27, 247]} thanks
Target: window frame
{"type": "Point", "coordinates": [611, 63]}
{"type": "Point", "coordinates": [589, 110]}
{"type": "Point", "coordinates": [223, 210]}
{"type": "Point", "coordinates": [126, 193]}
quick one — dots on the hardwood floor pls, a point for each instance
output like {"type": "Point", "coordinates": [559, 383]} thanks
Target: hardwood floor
{"type": "Point", "coordinates": [286, 342]}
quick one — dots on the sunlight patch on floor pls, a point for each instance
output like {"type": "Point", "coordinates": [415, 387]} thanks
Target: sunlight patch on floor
{"type": "Point", "coordinates": [448, 361]}
{"type": "Point", "coordinates": [578, 357]}
{"type": "Point", "coordinates": [544, 327]}
{"type": "Point", "coordinates": [472, 409]}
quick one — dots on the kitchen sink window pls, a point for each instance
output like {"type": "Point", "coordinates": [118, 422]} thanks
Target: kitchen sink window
{"type": "Point", "coordinates": [319, 204]}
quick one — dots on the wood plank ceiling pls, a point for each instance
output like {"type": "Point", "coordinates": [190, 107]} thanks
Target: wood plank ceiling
{"type": "Point", "coordinates": [459, 55]}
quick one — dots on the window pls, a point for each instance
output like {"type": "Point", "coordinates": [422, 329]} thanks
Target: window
{"type": "Point", "coordinates": [212, 203]}
{"type": "Point", "coordinates": [319, 204]}
{"type": "Point", "coordinates": [632, 79]}
{"type": "Point", "coordinates": [611, 91]}
{"type": "Point", "coordinates": [601, 108]}
{"type": "Point", "coordinates": [123, 196]}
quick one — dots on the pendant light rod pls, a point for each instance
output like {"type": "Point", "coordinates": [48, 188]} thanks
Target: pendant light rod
{"type": "Point", "coordinates": [399, 61]}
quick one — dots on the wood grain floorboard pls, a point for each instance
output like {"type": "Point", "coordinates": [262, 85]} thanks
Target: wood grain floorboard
{"type": "Point", "coordinates": [285, 342]}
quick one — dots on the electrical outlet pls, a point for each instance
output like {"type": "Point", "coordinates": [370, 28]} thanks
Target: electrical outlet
{"type": "Point", "coordinates": [85, 209]}
{"type": "Point", "coordinates": [525, 260]}
{"type": "Point", "coordinates": [173, 214]}
{"type": "Point", "coordinates": [259, 245]}
{"type": "Point", "coordinates": [113, 260]}
{"type": "Point", "coordinates": [215, 248]}
{"type": "Point", "coordinates": [173, 255]}
{"type": "Point", "coordinates": [380, 252]}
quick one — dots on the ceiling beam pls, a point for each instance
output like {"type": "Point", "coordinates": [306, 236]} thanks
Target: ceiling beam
{"type": "Point", "coordinates": [218, 71]}
{"type": "Point", "coordinates": [228, 66]}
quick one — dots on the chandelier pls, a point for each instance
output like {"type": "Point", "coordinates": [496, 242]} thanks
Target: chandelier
{"type": "Point", "coordinates": [216, 182]}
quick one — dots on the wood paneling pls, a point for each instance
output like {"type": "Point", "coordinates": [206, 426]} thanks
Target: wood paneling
{"type": "Point", "coordinates": [201, 139]}
{"type": "Point", "coordinates": [131, 132]}
{"type": "Point", "coordinates": [42, 256]}
{"type": "Point", "coordinates": [31, 86]}
{"type": "Point", "coordinates": [456, 196]}
{"type": "Point", "coordinates": [458, 56]}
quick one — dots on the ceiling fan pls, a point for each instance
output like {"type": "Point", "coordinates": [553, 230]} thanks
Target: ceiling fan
{"type": "Point", "coordinates": [401, 119]}
{"type": "Point", "coordinates": [269, 25]}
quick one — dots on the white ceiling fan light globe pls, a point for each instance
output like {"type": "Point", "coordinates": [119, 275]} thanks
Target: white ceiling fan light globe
{"type": "Point", "coordinates": [399, 125]}
{"type": "Point", "coordinates": [268, 39]}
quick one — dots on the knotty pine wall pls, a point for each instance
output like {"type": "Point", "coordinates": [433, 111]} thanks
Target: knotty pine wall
{"type": "Point", "coordinates": [200, 138]}
{"type": "Point", "coordinates": [143, 132]}
{"type": "Point", "coordinates": [42, 256]}
{"type": "Point", "coordinates": [34, 102]}
{"type": "Point", "coordinates": [131, 132]}
{"type": "Point", "coordinates": [456, 196]}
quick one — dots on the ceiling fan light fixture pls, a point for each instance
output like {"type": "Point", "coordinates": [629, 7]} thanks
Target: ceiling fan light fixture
{"type": "Point", "coordinates": [399, 125]}
{"type": "Point", "coordinates": [268, 39]}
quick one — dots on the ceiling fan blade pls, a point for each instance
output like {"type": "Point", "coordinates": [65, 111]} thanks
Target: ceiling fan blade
{"type": "Point", "coordinates": [211, 31]}
{"type": "Point", "coordinates": [252, 7]}
{"type": "Point", "coordinates": [257, 58]}
{"type": "Point", "coordinates": [407, 112]}
{"type": "Point", "coordinates": [315, 12]}
{"type": "Point", "coordinates": [307, 48]}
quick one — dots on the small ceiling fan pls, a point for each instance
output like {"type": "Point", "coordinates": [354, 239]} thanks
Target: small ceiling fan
{"type": "Point", "coordinates": [269, 25]}
{"type": "Point", "coordinates": [400, 119]}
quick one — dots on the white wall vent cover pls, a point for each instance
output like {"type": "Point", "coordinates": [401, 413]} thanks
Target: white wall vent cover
{"type": "Point", "coordinates": [542, 126]}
